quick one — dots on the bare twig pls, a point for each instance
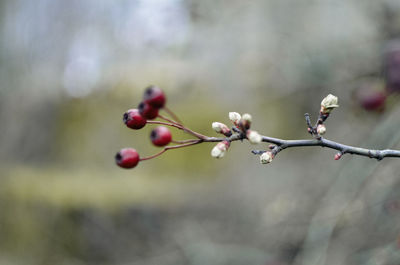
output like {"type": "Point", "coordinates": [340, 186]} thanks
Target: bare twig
{"type": "Point", "coordinates": [184, 141]}
{"type": "Point", "coordinates": [322, 142]}
{"type": "Point", "coordinates": [173, 115]}
{"type": "Point", "coordinates": [170, 148]}
{"type": "Point", "coordinates": [282, 144]}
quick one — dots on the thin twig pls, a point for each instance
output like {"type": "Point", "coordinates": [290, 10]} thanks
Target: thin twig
{"type": "Point", "coordinates": [170, 148]}
{"type": "Point", "coordinates": [173, 115]}
{"type": "Point", "coordinates": [166, 124]}
{"type": "Point", "coordinates": [371, 153]}
{"type": "Point", "coordinates": [184, 141]}
{"type": "Point", "coordinates": [178, 126]}
{"type": "Point", "coordinates": [169, 120]}
{"type": "Point", "coordinates": [308, 120]}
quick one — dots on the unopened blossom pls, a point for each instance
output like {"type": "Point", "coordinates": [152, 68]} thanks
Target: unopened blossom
{"type": "Point", "coordinates": [254, 137]}
{"type": "Point", "coordinates": [220, 149]}
{"type": "Point", "coordinates": [245, 122]}
{"type": "Point", "coordinates": [329, 103]}
{"type": "Point", "coordinates": [247, 117]}
{"type": "Point", "coordinates": [338, 156]}
{"type": "Point", "coordinates": [221, 128]}
{"type": "Point", "coordinates": [266, 157]}
{"type": "Point", "coordinates": [321, 129]}
{"type": "Point", "coordinates": [234, 117]}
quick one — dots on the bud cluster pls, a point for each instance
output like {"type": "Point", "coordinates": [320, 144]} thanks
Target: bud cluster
{"type": "Point", "coordinates": [241, 126]}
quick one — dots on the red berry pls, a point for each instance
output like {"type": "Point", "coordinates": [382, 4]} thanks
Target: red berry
{"type": "Point", "coordinates": [147, 111]}
{"type": "Point", "coordinates": [127, 158]}
{"type": "Point", "coordinates": [134, 120]}
{"type": "Point", "coordinates": [160, 136]}
{"type": "Point", "coordinates": [391, 63]}
{"type": "Point", "coordinates": [370, 95]}
{"type": "Point", "coordinates": [372, 100]}
{"type": "Point", "coordinates": [154, 96]}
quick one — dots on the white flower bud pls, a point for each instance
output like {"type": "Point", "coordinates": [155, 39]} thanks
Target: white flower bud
{"type": "Point", "coordinates": [254, 137]}
{"type": "Point", "coordinates": [217, 152]}
{"type": "Point", "coordinates": [220, 149]}
{"type": "Point", "coordinates": [221, 128]}
{"type": "Point", "coordinates": [245, 122]}
{"type": "Point", "coordinates": [266, 157]}
{"type": "Point", "coordinates": [329, 103]}
{"type": "Point", "coordinates": [321, 129]}
{"type": "Point", "coordinates": [234, 117]}
{"type": "Point", "coordinates": [217, 126]}
{"type": "Point", "coordinates": [246, 117]}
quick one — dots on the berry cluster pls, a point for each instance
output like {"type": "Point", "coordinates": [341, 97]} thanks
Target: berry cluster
{"type": "Point", "coordinates": [153, 100]}
{"type": "Point", "coordinates": [241, 129]}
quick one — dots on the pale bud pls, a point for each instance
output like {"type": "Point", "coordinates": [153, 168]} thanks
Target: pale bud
{"type": "Point", "coordinates": [321, 129]}
{"type": "Point", "coordinates": [246, 117]}
{"type": "Point", "coordinates": [266, 157]}
{"type": "Point", "coordinates": [329, 103]}
{"type": "Point", "coordinates": [221, 128]}
{"type": "Point", "coordinates": [234, 117]}
{"type": "Point", "coordinates": [245, 122]}
{"type": "Point", "coordinates": [220, 149]}
{"type": "Point", "coordinates": [338, 156]}
{"type": "Point", "coordinates": [254, 137]}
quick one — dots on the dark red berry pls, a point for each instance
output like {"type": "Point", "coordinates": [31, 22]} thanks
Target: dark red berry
{"type": "Point", "coordinates": [370, 95]}
{"type": "Point", "coordinates": [134, 120]}
{"type": "Point", "coordinates": [154, 96]}
{"type": "Point", "coordinates": [391, 65]}
{"type": "Point", "coordinates": [127, 158]}
{"type": "Point", "coordinates": [160, 136]}
{"type": "Point", "coordinates": [372, 100]}
{"type": "Point", "coordinates": [147, 111]}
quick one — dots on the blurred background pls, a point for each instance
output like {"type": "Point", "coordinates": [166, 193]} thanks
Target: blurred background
{"type": "Point", "coordinates": [70, 69]}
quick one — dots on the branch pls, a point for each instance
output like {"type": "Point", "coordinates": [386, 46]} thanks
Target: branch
{"type": "Point", "coordinates": [281, 144]}
{"type": "Point", "coordinates": [344, 149]}
{"type": "Point", "coordinates": [161, 136]}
